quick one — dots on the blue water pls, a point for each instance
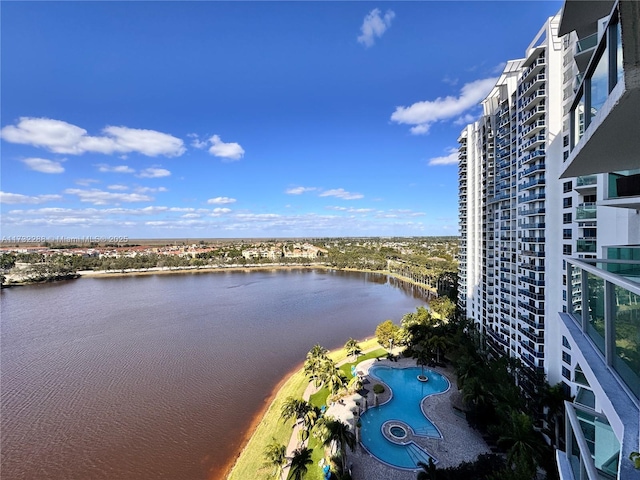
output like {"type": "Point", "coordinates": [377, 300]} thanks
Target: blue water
{"type": "Point", "coordinates": [404, 406]}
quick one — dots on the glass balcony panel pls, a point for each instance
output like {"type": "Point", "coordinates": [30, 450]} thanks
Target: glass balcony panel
{"type": "Point", "coordinates": [574, 455]}
{"type": "Point", "coordinates": [599, 83]}
{"type": "Point", "coordinates": [586, 246]}
{"type": "Point", "coordinates": [602, 442]}
{"type": "Point", "coordinates": [586, 180]}
{"type": "Point", "coordinates": [586, 211]}
{"type": "Point", "coordinates": [595, 299]}
{"type": "Point", "coordinates": [627, 335]}
{"type": "Point", "coordinates": [623, 253]}
{"type": "Point", "coordinates": [624, 184]}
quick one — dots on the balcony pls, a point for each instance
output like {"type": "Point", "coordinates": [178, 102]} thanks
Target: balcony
{"type": "Point", "coordinates": [531, 198]}
{"type": "Point", "coordinates": [612, 320]}
{"type": "Point", "coordinates": [606, 104]}
{"type": "Point", "coordinates": [532, 183]}
{"type": "Point", "coordinates": [586, 180]}
{"type": "Point", "coordinates": [623, 189]}
{"type": "Point", "coordinates": [534, 168]}
{"type": "Point", "coordinates": [585, 246]}
{"type": "Point", "coordinates": [586, 211]}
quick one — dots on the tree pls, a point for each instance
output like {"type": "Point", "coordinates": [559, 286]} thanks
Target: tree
{"type": "Point", "coordinates": [315, 363]}
{"type": "Point", "coordinates": [438, 343]}
{"type": "Point", "coordinates": [334, 431]}
{"type": "Point", "coordinates": [443, 307]}
{"type": "Point", "coordinates": [523, 442]}
{"type": "Point", "coordinates": [299, 463]}
{"type": "Point", "coordinates": [353, 348]}
{"type": "Point", "coordinates": [387, 333]}
{"type": "Point", "coordinates": [422, 357]}
{"type": "Point", "coordinates": [428, 471]}
{"type": "Point", "coordinates": [275, 457]}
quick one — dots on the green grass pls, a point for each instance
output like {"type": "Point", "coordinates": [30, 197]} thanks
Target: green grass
{"type": "Point", "coordinates": [249, 462]}
{"type": "Point", "coordinates": [320, 397]}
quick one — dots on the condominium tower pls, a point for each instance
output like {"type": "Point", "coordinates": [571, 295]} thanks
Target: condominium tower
{"type": "Point", "coordinates": [549, 184]}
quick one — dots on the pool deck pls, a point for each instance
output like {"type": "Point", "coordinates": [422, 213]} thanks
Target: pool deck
{"type": "Point", "coordinates": [460, 443]}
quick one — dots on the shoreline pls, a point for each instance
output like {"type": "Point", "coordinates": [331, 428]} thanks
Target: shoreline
{"type": "Point", "coordinates": [217, 269]}
{"type": "Point", "coordinates": [257, 420]}
{"type": "Point", "coordinates": [274, 397]}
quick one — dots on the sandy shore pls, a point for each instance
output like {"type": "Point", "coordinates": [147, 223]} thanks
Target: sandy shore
{"type": "Point", "coordinates": [257, 419]}
{"type": "Point", "coordinates": [183, 270]}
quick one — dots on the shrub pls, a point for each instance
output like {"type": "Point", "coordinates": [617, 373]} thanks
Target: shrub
{"type": "Point", "coordinates": [377, 389]}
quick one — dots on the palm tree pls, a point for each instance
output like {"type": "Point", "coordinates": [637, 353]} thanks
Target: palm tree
{"type": "Point", "coordinates": [353, 348]}
{"type": "Point", "coordinates": [299, 463]}
{"type": "Point", "coordinates": [338, 432]}
{"type": "Point", "coordinates": [294, 408]}
{"type": "Point", "coordinates": [428, 471]}
{"type": "Point", "coordinates": [523, 442]}
{"type": "Point", "coordinates": [553, 399]}
{"type": "Point", "coordinates": [422, 357]}
{"type": "Point", "coordinates": [316, 358]}
{"type": "Point", "coordinates": [439, 343]}
{"type": "Point", "coordinates": [275, 457]}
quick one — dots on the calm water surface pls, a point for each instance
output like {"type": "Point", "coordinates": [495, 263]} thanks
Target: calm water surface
{"type": "Point", "coordinates": [159, 377]}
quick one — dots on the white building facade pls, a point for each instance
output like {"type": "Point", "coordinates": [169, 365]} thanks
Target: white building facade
{"type": "Point", "coordinates": [550, 225]}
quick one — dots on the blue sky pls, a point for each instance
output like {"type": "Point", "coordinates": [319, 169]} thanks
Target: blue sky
{"type": "Point", "coordinates": [244, 119]}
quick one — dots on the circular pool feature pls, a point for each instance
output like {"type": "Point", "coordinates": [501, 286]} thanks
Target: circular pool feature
{"type": "Point", "coordinates": [398, 432]}
{"type": "Point", "coordinates": [423, 378]}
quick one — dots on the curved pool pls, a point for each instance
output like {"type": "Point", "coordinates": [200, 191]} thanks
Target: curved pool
{"type": "Point", "coordinates": [403, 411]}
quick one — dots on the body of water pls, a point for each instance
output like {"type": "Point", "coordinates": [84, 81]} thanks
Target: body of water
{"type": "Point", "coordinates": [160, 377]}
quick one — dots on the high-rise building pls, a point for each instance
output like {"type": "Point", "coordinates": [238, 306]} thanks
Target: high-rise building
{"type": "Point", "coordinates": [549, 186]}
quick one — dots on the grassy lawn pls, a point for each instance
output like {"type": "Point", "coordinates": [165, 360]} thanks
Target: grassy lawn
{"type": "Point", "coordinates": [249, 463]}
{"type": "Point", "coordinates": [320, 397]}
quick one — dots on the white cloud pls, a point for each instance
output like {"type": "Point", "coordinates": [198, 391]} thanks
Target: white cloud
{"type": "Point", "coordinates": [221, 201]}
{"type": "Point", "coordinates": [43, 165]}
{"type": "Point", "coordinates": [341, 193]}
{"type": "Point", "coordinates": [374, 26]}
{"type": "Point", "coordinates": [350, 210]}
{"type": "Point", "coordinates": [422, 114]}
{"type": "Point", "coordinates": [62, 137]}
{"type": "Point", "coordinates": [118, 187]}
{"type": "Point", "coordinates": [299, 190]}
{"type": "Point", "coordinates": [104, 168]}
{"type": "Point", "coordinates": [196, 142]}
{"type": "Point", "coordinates": [191, 215]}
{"type": "Point", "coordinates": [150, 189]}
{"type": "Point", "coordinates": [450, 159]}
{"type": "Point", "coordinates": [153, 172]}
{"type": "Point", "coordinates": [230, 151]}
{"type": "Point", "coordinates": [100, 197]}
{"type": "Point", "coordinates": [16, 198]}
{"type": "Point", "coordinates": [85, 182]}
{"type": "Point", "coordinates": [220, 211]}
{"type": "Point", "coordinates": [465, 119]}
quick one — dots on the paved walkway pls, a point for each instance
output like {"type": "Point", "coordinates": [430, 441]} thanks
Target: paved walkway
{"type": "Point", "coordinates": [460, 443]}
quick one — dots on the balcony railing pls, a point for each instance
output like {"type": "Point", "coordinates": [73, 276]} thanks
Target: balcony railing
{"type": "Point", "coordinates": [586, 180]}
{"type": "Point", "coordinates": [586, 211]}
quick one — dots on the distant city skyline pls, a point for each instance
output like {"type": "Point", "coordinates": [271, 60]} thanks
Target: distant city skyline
{"type": "Point", "coordinates": [244, 119]}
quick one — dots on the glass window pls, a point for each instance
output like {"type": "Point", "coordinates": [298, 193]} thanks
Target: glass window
{"type": "Point", "coordinates": [618, 36]}
{"type": "Point", "coordinates": [565, 343]}
{"type": "Point", "coordinates": [566, 218]}
{"type": "Point", "coordinates": [627, 334]}
{"type": "Point", "coordinates": [599, 84]}
{"type": "Point", "coordinates": [566, 373]}
{"type": "Point", "coordinates": [578, 120]}
{"type": "Point", "coordinates": [566, 186]}
{"type": "Point", "coordinates": [567, 202]}
{"type": "Point", "coordinates": [566, 358]}
{"type": "Point", "coordinates": [595, 299]}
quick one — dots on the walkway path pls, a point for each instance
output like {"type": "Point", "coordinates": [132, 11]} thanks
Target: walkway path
{"type": "Point", "coordinates": [460, 443]}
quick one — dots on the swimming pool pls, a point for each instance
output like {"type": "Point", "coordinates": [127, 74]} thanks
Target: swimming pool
{"type": "Point", "coordinates": [387, 430]}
